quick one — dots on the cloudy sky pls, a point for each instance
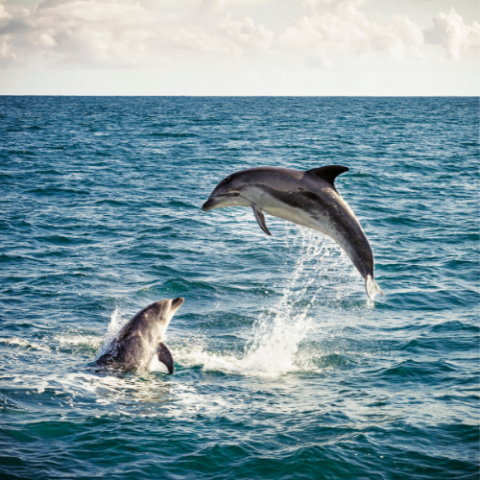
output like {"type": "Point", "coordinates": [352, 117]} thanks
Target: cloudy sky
{"type": "Point", "coordinates": [240, 47]}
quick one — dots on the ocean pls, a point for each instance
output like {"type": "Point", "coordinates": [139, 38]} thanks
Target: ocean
{"type": "Point", "coordinates": [284, 368]}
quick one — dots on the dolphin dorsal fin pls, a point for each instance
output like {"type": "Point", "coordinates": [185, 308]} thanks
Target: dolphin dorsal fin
{"type": "Point", "coordinates": [328, 173]}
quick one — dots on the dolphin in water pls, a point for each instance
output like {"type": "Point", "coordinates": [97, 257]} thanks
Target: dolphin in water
{"type": "Point", "coordinates": [309, 199]}
{"type": "Point", "coordinates": [141, 338]}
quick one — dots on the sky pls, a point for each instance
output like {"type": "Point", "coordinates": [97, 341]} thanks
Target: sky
{"type": "Point", "coordinates": [240, 47]}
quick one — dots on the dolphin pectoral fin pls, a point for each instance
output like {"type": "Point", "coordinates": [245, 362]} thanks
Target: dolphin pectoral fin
{"type": "Point", "coordinates": [165, 357]}
{"type": "Point", "coordinates": [260, 219]}
{"type": "Point", "coordinates": [328, 173]}
{"type": "Point", "coordinates": [372, 287]}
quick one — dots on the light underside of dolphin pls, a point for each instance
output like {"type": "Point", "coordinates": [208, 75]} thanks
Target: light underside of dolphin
{"type": "Point", "coordinates": [309, 199]}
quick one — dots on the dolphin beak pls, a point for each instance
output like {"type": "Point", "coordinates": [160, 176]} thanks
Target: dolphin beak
{"type": "Point", "coordinates": [209, 204]}
{"type": "Point", "coordinates": [176, 304]}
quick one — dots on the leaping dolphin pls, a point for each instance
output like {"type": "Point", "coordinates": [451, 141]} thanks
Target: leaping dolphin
{"type": "Point", "coordinates": [306, 198]}
{"type": "Point", "coordinates": [141, 338]}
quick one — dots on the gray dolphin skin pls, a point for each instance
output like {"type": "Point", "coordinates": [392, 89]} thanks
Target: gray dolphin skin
{"type": "Point", "coordinates": [309, 199]}
{"type": "Point", "coordinates": [141, 338]}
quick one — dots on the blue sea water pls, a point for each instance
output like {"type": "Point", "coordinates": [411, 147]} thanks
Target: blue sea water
{"type": "Point", "coordinates": [284, 368]}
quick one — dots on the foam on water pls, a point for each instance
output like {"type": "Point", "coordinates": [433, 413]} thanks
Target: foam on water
{"type": "Point", "coordinates": [79, 340]}
{"type": "Point", "coordinates": [20, 342]}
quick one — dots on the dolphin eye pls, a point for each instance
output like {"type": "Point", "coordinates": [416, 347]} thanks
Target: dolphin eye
{"type": "Point", "coordinates": [234, 193]}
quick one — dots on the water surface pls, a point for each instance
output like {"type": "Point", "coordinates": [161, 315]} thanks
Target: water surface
{"type": "Point", "coordinates": [284, 369]}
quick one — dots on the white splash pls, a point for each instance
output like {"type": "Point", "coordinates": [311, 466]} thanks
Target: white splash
{"type": "Point", "coordinates": [279, 332]}
{"type": "Point", "coordinates": [322, 270]}
{"type": "Point", "coordinates": [116, 323]}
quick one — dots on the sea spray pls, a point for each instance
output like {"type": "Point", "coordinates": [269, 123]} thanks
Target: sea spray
{"type": "Point", "coordinates": [321, 275]}
{"type": "Point", "coordinates": [279, 332]}
{"type": "Point", "coordinates": [116, 323]}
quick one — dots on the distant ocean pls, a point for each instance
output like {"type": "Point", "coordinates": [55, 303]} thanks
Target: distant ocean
{"type": "Point", "coordinates": [284, 369]}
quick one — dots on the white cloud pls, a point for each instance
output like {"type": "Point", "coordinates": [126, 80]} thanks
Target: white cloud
{"type": "Point", "coordinates": [6, 48]}
{"type": "Point", "coordinates": [348, 30]}
{"type": "Point", "coordinates": [450, 31]}
{"type": "Point", "coordinates": [81, 31]}
{"type": "Point", "coordinates": [111, 33]}
{"type": "Point", "coordinates": [123, 32]}
{"type": "Point", "coordinates": [211, 6]}
{"type": "Point", "coordinates": [247, 33]}
{"type": "Point", "coordinates": [3, 13]}
{"type": "Point", "coordinates": [313, 5]}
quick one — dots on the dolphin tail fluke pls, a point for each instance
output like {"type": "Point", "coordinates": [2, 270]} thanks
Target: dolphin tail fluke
{"type": "Point", "coordinates": [372, 287]}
